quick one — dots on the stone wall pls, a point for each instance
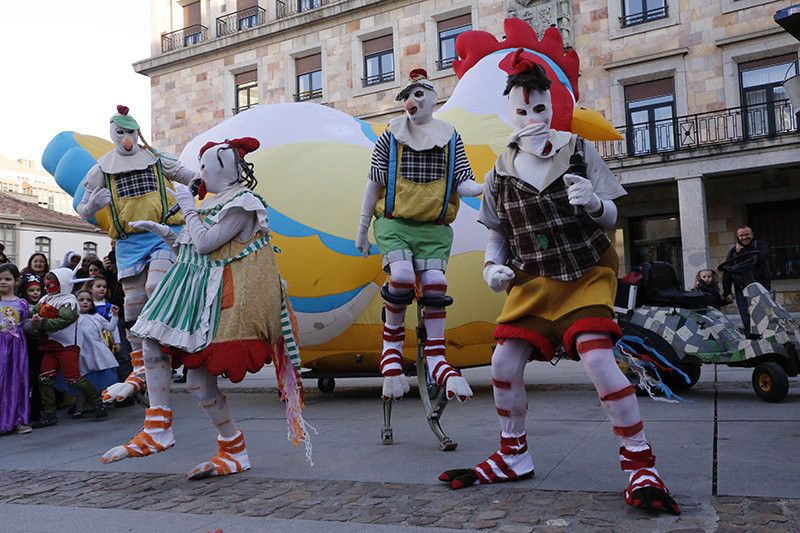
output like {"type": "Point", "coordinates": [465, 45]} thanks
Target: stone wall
{"type": "Point", "coordinates": [191, 95]}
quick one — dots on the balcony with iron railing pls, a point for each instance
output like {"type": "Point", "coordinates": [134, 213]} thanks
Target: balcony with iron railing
{"type": "Point", "coordinates": [241, 20]}
{"type": "Point", "coordinates": [644, 16]}
{"type": "Point", "coordinates": [377, 79]}
{"type": "Point", "coordinates": [183, 37]}
{"type": "Point", "coordinates": [305, 96]}
{"type": "Point", "coordinates": [446, 63]}
{"type": "Point", "coordinates": [702, 130]}
{"type": "Point", "coordinates": [286, 8]}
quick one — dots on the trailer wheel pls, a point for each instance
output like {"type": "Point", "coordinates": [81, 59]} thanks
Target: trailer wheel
{"type": "Point", "coordinates": [770, 382]}
{"type": "Point", "coordinates": [692, 367]}
{"type": "Point", "coordinates": [326, 385]}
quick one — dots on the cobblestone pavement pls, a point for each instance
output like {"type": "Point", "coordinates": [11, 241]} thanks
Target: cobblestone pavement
{"type": "Point", "coordinates": [482, 508]}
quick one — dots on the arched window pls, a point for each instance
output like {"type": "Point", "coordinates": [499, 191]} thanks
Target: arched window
{"type": "Point", "coordinates": [89, 247]}
{"type": "Point", "coordinates": [42, 246]}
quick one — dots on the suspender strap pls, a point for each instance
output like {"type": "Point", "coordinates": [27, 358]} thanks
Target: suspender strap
{"type": "Point", "coordinates": [114, 214]}
{"type": "Point", "coordinates": [391, 178]}
{"type": "Point", "coordinates": [451, 165]}
{"type": "Point", "coordinates": [163, 190]}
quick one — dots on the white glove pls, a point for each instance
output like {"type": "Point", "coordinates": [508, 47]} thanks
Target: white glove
{"type": "Point", "coordinates": [118, 392]}
{"type": "Point", "coordinates": [98, 199]}
{"type": "Point", "coordinates": [183, 196]}
{"type": "Point", "coordinates": [470, 188]}
{"type": "Point", "coordinates": [457, 387]}
{"type": "Point", "coordinates": [581, 192]}
{"type": "Point", "coordinates": [498, 277]}
{"type": "Point", "coordinates": [395, 387]}
{"type": "Point", "coordinates": [153, 227]}
{"type": "Point", "coordinates": [362, 241]}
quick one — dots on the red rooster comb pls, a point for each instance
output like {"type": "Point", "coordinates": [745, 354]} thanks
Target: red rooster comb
{"type": "Point", "coordinates": [474, 45]}
{"type": "Point", "coordinates": [122, 110]}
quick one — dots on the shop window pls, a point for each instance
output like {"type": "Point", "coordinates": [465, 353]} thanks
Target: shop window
{"type": "Point", "coordinates": [246, 86]}
{"type": "Point", "coordinates": [657, 238]}
{"type": "Point", "coordinates": [641, 11]}
{"type": "Point", "coordinates": [776, 223]}
{"type": "Point", "coordinates": [765, 106]}
{"type": "Point", "coordinates": [449, 30]}
{"type": "Point", "coordinates": [650, 110]}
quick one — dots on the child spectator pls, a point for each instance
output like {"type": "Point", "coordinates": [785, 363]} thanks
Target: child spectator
{"type": "Point", "coordinates": [31, 289]}
{"type": "Point", "coordinates": [707, 281]}
{"type": "Point", "coordinates": [14, 407]}
{"type": "Point", "coordinates": [56, 317]}
{"type": "Point", "coordinates": [37, 264]}
{"type": "Point", "coordinates": [97, 364]}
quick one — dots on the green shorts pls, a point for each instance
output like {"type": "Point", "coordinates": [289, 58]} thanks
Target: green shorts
{"type": "Point", "coordinates": [427, 244]}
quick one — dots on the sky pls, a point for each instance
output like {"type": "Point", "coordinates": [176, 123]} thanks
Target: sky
{"type": "Point", "coordinates": [66, 66]}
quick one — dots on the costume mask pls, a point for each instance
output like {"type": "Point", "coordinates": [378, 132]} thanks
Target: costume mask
{"type": "Point", "coordinates": [530, 112]}
{"type": "Point", "coordinates": [419, 105]}
{"type": "Point", "coordinates": [124, 132]}
{"type": "Point", "coordinates": [222, 164]}
{"type": "Point", "coordinates": [218, 169]}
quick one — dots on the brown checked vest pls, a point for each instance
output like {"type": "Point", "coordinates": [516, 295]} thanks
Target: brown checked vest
{"type": "Point", "coordinates": [548, 236]}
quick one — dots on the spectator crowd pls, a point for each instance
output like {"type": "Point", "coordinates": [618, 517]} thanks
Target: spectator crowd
{"type": "Point", "coordinates": [62, 339]}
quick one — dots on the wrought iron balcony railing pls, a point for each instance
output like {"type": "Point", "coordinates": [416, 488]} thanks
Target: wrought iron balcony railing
{"type": "Point", "coordinates": [446, 63]}
{"type": "Point", "coordinates": [184, 37]}
{"type": "Point", "coordinates": [690, 132]}
{"type": "Point", "coordinates": [377, 79]}
{"type": "Point", "coordinates": [308, 95]}
{"type": "Point", "coordinates": [645, 16]}
{"type": "Point", "coordinates": [241, 20]}
{"type": "Point", "coordinates": [285, 8]}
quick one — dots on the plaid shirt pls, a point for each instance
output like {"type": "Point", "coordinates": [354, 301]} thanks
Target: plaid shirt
{"type": "Point", "coordinates": [419, 166]}
{"type": "Point", "coordinates": [548, 236]}
{"type": "Point", "coordinates": [136, 182]}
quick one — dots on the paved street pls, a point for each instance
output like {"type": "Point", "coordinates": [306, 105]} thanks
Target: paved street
{"type": "Point", "coordinates": [729, 459]}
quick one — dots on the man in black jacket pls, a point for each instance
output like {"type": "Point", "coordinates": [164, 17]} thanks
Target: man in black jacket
{"type": "Point", "coordinates": [746, 243]}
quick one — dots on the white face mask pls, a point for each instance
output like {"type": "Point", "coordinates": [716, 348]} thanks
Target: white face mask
{"type": "Point", "coordinates": [531, 119]}
{"type": "Point", "coordinates": [419, 105]}
{"type": "Point", "coordinates": [126, 142]}
{"type": "Point", "coordinates": [218, 169]}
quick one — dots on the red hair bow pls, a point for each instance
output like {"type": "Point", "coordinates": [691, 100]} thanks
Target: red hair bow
{"type": "Point", "coordinates": [243, 146]}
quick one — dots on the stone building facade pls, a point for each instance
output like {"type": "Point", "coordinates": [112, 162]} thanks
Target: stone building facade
{"type": "Point", "coordinates": [710, 143]}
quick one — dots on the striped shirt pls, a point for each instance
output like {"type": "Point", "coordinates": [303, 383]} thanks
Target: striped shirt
{"type": "Point", "coordinates": [422, 166]}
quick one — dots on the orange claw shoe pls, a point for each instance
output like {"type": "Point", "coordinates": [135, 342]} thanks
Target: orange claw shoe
{"type": "Point", "coordinates": [156, 437]}
{"type": "Point", "coordinates": [231, 459]}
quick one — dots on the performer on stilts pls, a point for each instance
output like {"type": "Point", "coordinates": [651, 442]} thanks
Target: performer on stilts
{"type": "Point", "coordinates": [547, 203]}
{"type": "Point", "coordinates": [220, 308]}
{"type": "Point", "coordinates": [133, 180]}
{"type": "Point", "coordinates": [419, 169]}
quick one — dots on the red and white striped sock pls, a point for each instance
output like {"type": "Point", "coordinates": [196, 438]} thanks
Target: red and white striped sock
{"type": "Point", "coordinates": [511, 462]}
{"type": "Point", "coordinates": [439, 370]}
{"type": "Point", "coordinates": [392, 358]}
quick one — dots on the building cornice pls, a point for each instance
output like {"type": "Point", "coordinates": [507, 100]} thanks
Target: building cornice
{"type": "Point", "coordinates": [163, 62]}
{"type": "Point", "coordinates": [646, 59]}
{"type": "Point", "coordinates": [748, 36]}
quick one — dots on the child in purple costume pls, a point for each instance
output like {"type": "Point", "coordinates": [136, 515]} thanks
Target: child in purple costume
{"type": "Point", "coordinates": [13, 355]}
